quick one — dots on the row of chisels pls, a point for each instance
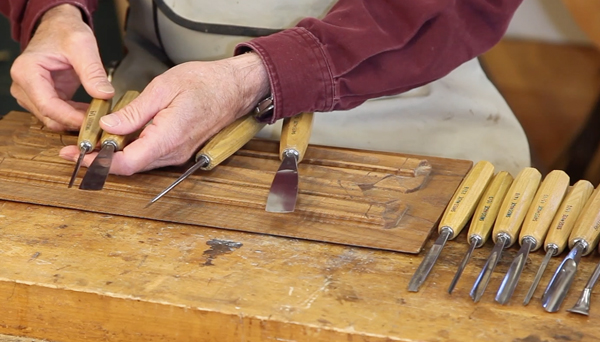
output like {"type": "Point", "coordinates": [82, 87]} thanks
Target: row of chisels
{"type": "Point", "coordinates": [283, 194]}
{"type": "Point", "coordinates": [536, 213]}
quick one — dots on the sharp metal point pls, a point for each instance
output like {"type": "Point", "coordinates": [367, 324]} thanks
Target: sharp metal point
{"type": "Point", "coordinates": [202, 162]}
{"type": "Point", "coordinates": [551, 251]}
{"type": "Point", "coordinates": [511, 278]}
{"type": "Point", "coordinates": [484, 277]}
{"type": "Point", "coordinates": [77, 166]}
{"type": "Point", "coordinates": [474, 242]}
{"type": "Point", "coordinates": [427, 264]}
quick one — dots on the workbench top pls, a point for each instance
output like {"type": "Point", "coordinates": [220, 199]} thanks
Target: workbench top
{"type": "Point", "coordinates": [72, 275]}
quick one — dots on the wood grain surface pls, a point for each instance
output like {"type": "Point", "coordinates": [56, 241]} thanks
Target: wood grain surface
{"type": "Point", "coordinates": [370, 199]}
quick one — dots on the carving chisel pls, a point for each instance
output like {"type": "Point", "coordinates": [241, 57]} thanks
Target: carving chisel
{"type": "Point", "coordinates": [561, 227]}
{"type": "Point", "coordinates": [484, 218]}
{"type": "Point", "coordinates": [89, 134]}
{"type": "Point", "coordinates": [582, 241]}
{"type": "Point", "coordinates": [535, 228]}
{"type": "Point", "coordinates": [220, 147]}
{"type": "Point", "coordinates": [295, 135]}
{"type": "Point", "coordinates": [457, 213]}
{"type": "Point", "coordinates": [96, 175]}
{"type": "Point", "coordinates": [583, 304]}
{"type": "Point", "coordinates": [510, 216]}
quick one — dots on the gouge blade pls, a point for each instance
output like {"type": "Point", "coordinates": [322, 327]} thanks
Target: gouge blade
{"type": "Point", "coordinates": [473, 244]}
{"type": "Point", "coordinates": [583, 303]}
{"type": "Point", "coordinates": [510, 280]}
{"type": "Point", "coordinates": [538, 276]}
{"type": "Point", "coordinates": [484, 277]}
{"type": "Point", "coordinates": [557, 289]}
{"type": "Point", "coordinates": [284, 189]}
{"type": "Point", "coordinates": [430, 259]}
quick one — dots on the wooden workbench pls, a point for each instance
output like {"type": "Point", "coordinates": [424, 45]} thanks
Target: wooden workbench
{"type": "Point", "coordinates": [70, 275]}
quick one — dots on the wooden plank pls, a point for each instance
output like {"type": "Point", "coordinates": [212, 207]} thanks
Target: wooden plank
{"type": "Point", "coordinates": [361, 198]}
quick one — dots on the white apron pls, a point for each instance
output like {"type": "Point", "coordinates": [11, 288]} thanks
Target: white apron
{"type": "Point", "coordinates": [461, 115]}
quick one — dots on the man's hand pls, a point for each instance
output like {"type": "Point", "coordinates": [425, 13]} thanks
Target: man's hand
{"type": "Point", "coordinates": [62, 54]}
{"type": "Point", "coordinates": [184, 107]}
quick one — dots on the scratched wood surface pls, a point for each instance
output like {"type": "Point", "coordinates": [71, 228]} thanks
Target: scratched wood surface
{"type": "Point", "coordinates": [370, 199]}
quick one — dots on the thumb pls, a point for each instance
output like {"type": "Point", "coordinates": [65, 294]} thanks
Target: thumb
{"type": "Point", "coordinates": [88, 66]}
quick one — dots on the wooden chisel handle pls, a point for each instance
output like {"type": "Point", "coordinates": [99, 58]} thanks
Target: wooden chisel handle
{"type": "Point", "coordinates": [90, 131]}
{"type": "Point", "coordinates": [568, 212]}
{"type": "Point", "coordinates": [516, 204]}
{"type": "Point", "coordinates": [295, 134]}
{"type": "Point", "coordinates": [465, 199]}
{"type": "Point", "coordinates": [487, 210]}
{"type": "Point", "coordinates": [229, 140]}
{"type": "Point", "coordinates": [587, 226]}
{"type": "Point", "coordinates": [544, 207]}
{"type": "Point", "coordinates": [119, 141]}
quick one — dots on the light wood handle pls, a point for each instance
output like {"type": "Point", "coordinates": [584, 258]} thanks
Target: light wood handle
{"type": "Point", "coordinates": [567, 214]}
{"type": "Point", "coordinates": [229, 140]}
{"type": "Point", "coordinates": [587, 226]}
{"type": "Point", "coordinates": [121, 140]}
{"type": "Point", "coordinates": [295, 134]}
{"type": "Point", "coordinates": [465, 199]}
{"type": "Point", "coordinates": [516, 204]}
{"type": "Point", "coordinates": [90, 131]}
{"type": "Point", "coordinates": [544, 207]}
{"type": "Point", "coordinates": [489, 205]}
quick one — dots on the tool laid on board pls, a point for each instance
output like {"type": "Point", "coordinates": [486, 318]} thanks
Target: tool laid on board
{"type": "Point", "coordinates": [90, 131]}
{"type": "Point", "coordinates": [295, 135]}
{"type": "Point", "coordinates": [97, 172]}
{"type": "Point", "coordinates": [510, 216]}
{"type": "Point", "coordinates": [561, 227]}
{"type": "Point", "coordinates": [583, 303]}
{"type": "Point", "coordinates": [535, 228]}
{"type": "Point", "coordinates": [457, 213]}
{"type": "Point", "coordinates": [484, 218]}
{"type": "Point", "coordinates": [582, 241]}
{"type": "Point", "coordinates": [220, 147]}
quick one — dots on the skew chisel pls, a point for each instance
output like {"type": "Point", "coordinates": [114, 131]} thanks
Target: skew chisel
{"type": "Point", "coordinates": [484, 218]}
{"type": "Point", "coordinates": [535, 228]}
{"type": "Point", "coordinates": [457, 213]}
{"type": "Point", "coordinates": [508, 223]}
{"type": "Point", "coordinates": [582, 241]}
{"type": "Point", "coordinates": [561, 227]}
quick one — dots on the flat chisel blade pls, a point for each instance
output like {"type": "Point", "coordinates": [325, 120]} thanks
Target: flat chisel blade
{"type": "Point", "coordinates": [96, 175]}
{"type": "Point", "coordinates": [284, 189]}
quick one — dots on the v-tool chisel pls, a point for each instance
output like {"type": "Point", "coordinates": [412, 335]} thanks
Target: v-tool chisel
{"type": "Point", "coordinates": [220, 147]}
{"type": "Point", "coordinates": [582, 241]}
{"type": "Point", "coordinates": [97, 172]}
{"type": "Point", "coordinates": [508, 223]}
{"type": "Point", "coordinates": [295, 135]}
{"type": "Point", "coordinates": [483, 218]}
{"type": "Point", "coordinates": [561, 227]}
{"type": "Point", "coordinates": [545, 204]}
{"type": "Point", "coordinates": [457, 213]}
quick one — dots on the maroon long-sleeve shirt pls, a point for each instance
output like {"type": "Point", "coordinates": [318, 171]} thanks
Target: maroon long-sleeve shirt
{"type": "Point", "coordinates": [362, 48]}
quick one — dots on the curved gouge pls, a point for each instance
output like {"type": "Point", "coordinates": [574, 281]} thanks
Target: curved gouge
{"type": "Point", "coordinates": [220, 147]}
{"type": "Point", "coordinates": [295, 135]}
{"type": "Point", "coordinates": [583, 303]}
{"type": "Point", "coordinates": [457, 213]}
{"type": "Point", "coordinates": [535, 228]}
{"type": "Point", "coordinates": [583, 239]}
{"type": "Point", "coordinates": [484, 218]}
{"type": "Point", "coordinates": [96, 175]}
{"type": "Point", "coordinates": [89, 134]}
{"type": "Point", "coordinates": [561, 227]}
{"type": "Point", "coordinates": [508, 223]}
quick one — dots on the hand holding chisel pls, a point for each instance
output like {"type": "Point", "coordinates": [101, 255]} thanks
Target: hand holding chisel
{"type": "Point", "coordinates": [484, 218]}
{"type": "Point", "coordinates": [459, 211]}
{"type": "Point", "coordinates": [561, 227]}
{"type": "Point", "coordinates": [508, 223]}
{"type": "Point", "coordinates": [535, 228]}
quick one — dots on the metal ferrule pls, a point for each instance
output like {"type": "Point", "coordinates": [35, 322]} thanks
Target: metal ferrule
{"type": "Point", "coordinates": [203, 161]}
{"type": "Point", "coordinates": [291, 152]}
{"type": "Point", "coordinates": [476, 240]}
{"type": "Point", "coordinates": [85, 145]}
{"type": "Point", "coordinates": [449, 231]}
{"type": "Point", "coordinates": [505, 237]}
{"type": "Point", "coordinates": [110, 143]}
{"type": "Point", "coordinates": [583, 244]}
{"type": "Point", "coordinates": [529, 239]}
{"type": "Point", "coordinates": [554, 247]}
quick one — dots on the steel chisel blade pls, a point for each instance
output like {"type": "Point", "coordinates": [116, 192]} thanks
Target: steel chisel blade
{"type": "Point", "coordinates": [96, 175]}
{"type": "Point", "coordinates": [284, 189]}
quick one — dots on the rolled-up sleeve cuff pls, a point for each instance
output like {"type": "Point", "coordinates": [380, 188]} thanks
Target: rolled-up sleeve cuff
{"type": "Point", "coordinates": [301, 78]}
{"type": "Point", "coordinates": [36, 8]}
